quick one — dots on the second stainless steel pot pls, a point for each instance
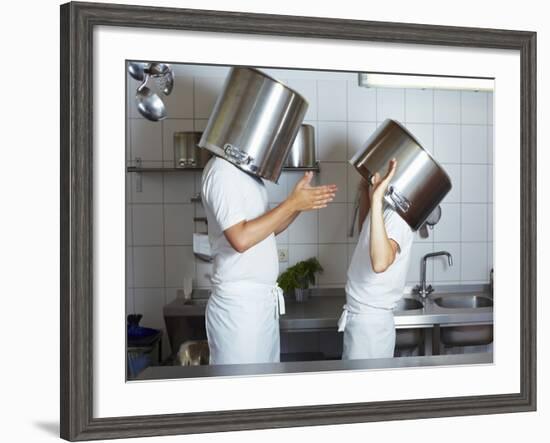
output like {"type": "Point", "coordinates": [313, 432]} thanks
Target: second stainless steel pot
{"type": "Point", "coordinates": [254, 122]}
{"type": "Point", "coordinates": [302, 153]}
{"type": "Point", "coordinates": [419, 183]}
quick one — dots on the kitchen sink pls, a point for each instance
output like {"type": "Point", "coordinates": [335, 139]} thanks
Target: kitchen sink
{"type": "Point", "coordinates": [472, 335]}
{"type": "Point", "coordinates": [462, 301]}
{"type": "Point", "coordinates": [407, 304]}
{"type": "Point", "coordinates": [467, 335]}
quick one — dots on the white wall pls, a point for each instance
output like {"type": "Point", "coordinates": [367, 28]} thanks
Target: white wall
{"type": "Point", "coordinates": [455, 126]}
{"type": "Point", "coordinates": [30, 241]}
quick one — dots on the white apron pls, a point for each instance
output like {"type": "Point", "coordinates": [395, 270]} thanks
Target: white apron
{"type": "Point", "coordinates": [242, 323]}
{"type": "Point", "coordinates": [369, 332]}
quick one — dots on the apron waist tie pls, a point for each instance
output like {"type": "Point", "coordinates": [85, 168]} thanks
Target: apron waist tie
{"type": "Point", "coordinates": [279, 301]}
{"type": "Point", "coordinates": [343, 319]}
{"type": "Point", "coordinates": [346, 309]}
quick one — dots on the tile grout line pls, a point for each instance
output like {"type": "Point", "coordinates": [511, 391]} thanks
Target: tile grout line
{"type": "Point", "coordinates": [132, 219]}
{"type": "Point", "coordinates": [461, 184]}
{"type": "Point", "coordinates": [194, 177]}
{"type": "Point", "coordinates": [327, 121]}
{"type": "Point", "coordinates": [347, 174]}
{"type": "Point", "coordinates": [405, 124]}
{"type": "Point", "coordinates": [487, 198]}
{"type": "Point", "coordinates": [163, 218]}
{"type": "Point", "coordinates": [434, 154]}
{"type": "Point", "coordinates": [131, 214]}
{"type": "Point", "coordinates": [317, 253]}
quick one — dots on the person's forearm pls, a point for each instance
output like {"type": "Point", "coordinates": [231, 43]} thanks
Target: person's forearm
{"type": "Point", "coordinates": [249, 233]}
{"type": "Point", "coordinates": [286, 223]}
{"type": "Point", "coordinates": [381, 252]}
{"type": "Point", "coordinates": [242, 236]}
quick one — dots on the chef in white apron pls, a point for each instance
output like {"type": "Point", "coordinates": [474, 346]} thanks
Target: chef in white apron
{"type": "Point", "coordinates": [376, 275]}
{"type": "Point", "coordinates": [242, 314]}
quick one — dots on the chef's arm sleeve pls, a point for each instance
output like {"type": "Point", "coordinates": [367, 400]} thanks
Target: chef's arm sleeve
{"type": "Point", "coordinates": [224, 199]}
{"type": "Point", "coordinates": [397, 229]}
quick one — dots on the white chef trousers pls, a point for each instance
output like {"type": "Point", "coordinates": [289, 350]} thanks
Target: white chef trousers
{"type": "Point", "coordinates": [369, 332]}
{"type": "Point", "coordinates": [242, 323]}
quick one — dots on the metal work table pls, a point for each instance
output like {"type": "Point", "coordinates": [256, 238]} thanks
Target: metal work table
{"type": "Point", "coordinates": [322, 310]}
{"type": "Point", "coordinates": [174, 372]}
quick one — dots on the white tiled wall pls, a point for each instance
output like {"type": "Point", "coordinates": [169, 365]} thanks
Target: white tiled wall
{"type": "Point", "coordinates": [456, 126]}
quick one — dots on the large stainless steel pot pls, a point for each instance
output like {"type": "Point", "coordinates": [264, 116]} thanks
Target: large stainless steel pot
{"type": "Point", "coordinates": [419, 183]}
{"type": "Point", "coordinates": [187, 153]}
{"type": "Point", "coordinates": [302, 152]}
{"type": "Point", "coordinates": [254, 122]}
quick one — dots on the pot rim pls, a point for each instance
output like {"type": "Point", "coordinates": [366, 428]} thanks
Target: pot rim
{"type": "Point", "coordinates": [413, 137]}
{"type": "Point", "coordinates": [258, 71]}
{"type": "Point", "coordinates": [359, 153]}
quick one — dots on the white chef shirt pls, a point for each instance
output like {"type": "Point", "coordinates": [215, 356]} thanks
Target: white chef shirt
{"type": "Point", "coordinates": [382, 290]}
{"type": "Point", "coordinates": [229, 196]}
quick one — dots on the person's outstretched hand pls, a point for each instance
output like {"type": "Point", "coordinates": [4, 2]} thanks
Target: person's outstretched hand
{"type": "Point", "coordinates": [305, 197]}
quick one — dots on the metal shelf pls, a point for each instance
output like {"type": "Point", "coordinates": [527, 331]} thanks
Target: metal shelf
{"type": "Point", "coordinates": [141, 169]}
{"type": "Point", "coordinates": [192, 168]}
{"type": "Point", "coordinates": [304, 169]}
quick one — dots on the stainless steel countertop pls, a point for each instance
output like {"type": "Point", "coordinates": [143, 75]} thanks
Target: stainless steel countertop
{"type": "Point", "coordinates": [175, 372]}
{"type": "Point", "coordinates": [323, 309]}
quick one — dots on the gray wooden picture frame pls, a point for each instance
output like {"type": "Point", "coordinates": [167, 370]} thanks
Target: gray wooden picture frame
{"type": "Point", "coordinates": [77, 24]}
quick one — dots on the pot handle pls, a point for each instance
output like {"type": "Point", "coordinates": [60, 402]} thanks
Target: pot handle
{"type": "Point", "coordinates": [238, 156]}
{"type": "Point", "coordinates": [399, 200]}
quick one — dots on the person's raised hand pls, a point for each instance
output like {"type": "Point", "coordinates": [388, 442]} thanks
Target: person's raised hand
{"type": "Point", "coordinates": [305, 197]}
{"type": "Point", "coordinates": [380, 185]}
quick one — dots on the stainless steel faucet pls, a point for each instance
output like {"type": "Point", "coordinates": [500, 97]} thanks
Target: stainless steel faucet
{"type": "Point", "coordinates": [422, 289]}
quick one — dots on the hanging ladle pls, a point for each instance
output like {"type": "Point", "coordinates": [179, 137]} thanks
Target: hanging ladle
{"type": "Point", "coordinates": [137, 70]}
{"type": "Point", "coordinates": [149, 104]}
{"type": "Point", "coordinates": [164, 75]}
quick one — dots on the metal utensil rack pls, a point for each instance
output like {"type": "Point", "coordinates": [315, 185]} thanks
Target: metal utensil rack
{"type": "Point", "coordinates": [140, 169]}
{"type": "Point", "coordinates": [144, 169]}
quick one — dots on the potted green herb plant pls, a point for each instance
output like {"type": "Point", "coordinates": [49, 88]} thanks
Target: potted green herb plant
{"type": "Point", "coordinates": [298, 277]}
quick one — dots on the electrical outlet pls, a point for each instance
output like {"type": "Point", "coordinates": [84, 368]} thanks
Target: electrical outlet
{"type": "Point", "coordinates": [283, 255]}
